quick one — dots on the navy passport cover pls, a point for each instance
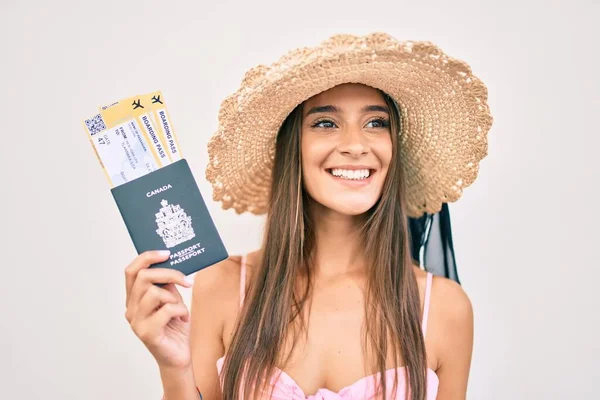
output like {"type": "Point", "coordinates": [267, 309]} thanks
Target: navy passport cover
{"type": "Point", "coordinates": [165, 210]}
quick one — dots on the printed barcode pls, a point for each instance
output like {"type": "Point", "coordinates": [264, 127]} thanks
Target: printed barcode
{"type": "Point", "coordinates": [95, 124]}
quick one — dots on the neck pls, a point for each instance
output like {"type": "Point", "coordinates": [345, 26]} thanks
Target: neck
{"type": "Point", "coordinates": [339, 248]}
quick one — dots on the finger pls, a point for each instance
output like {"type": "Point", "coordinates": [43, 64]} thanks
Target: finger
{"type": "Point", "coordinates": [148, 277]}
{"type": "Point", "coordinates": [153, 299]}
{"type": "Point", "coordinates": [172, 289]}
{"type": "Point", "coordinates": [167, 312]}
{"type": "Point", "coordinates": [142, 261]}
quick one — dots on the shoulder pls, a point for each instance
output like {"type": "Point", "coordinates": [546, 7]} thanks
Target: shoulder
{"type": "Point", "coordinates": [216, 289]}
{"type": "Point", "coordinates": [450, 302]}
{"type": "Point", "coordinates": [218, 286]}
{"type": "Point", "coordinates": [448, 299]}
{"type": "Point", "coordinates": [218, 278]}
{"type": "Point", "coordinates": [450, 320]}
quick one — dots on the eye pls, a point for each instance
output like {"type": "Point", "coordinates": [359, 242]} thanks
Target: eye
{"type": "Point", "coordinates": [378, 123]}
{"type": "Point", "coordinates": [323, 123]}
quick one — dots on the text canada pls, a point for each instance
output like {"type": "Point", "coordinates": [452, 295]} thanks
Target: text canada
{"type": "Point", "coordinates": [159, 190]}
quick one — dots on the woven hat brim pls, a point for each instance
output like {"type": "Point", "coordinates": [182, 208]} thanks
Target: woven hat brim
{"type": "Point", "coordinates": [444, 114]}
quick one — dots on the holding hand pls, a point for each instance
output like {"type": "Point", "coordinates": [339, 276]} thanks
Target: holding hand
{"type": "Point", "coordinates": [158, 315]}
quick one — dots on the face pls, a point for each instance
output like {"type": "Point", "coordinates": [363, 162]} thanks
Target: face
{"type": "Point", "coordinates": [346, 147]}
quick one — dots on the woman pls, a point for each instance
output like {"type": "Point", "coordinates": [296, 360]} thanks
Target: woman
{"type": "Point", "coordinates": [339, 145]}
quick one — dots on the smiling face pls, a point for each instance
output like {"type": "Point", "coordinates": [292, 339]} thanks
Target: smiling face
{"type": "Point", "coordinates": [346, 147]}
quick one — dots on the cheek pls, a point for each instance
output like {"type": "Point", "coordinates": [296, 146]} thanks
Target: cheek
{"type": "Point", "coordinates": [383, 150]}
{"type": "Point", "coordinates": [314, 154]}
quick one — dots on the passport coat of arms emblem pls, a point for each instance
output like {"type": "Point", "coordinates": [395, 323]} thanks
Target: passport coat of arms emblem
{"type": "Point", "coordinates": [174, 225]}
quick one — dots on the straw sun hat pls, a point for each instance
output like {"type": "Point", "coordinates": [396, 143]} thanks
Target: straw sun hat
{"type": "Point", "coordinates": [444, 117]}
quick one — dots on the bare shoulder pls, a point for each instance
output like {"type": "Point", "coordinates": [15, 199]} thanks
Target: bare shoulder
{"type": "Point", "coordinates": [217, 283]}
{"type": "Point", "coordinates": [450, 325]}
{"type": "Point", "coordinates": [450, 303]}
{"type": "Point", "coordinates": [217, 288]}
{"type": "Point", "coordinates": [224, 275]}
{"type": "Point", "coordinates": [448, 299]}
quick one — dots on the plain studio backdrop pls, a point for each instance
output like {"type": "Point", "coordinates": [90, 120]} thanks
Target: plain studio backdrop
{"type": "Point", "coordinates": [525, 232]}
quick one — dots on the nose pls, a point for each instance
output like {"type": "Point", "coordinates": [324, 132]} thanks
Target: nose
{"type": "Point", "coordinates": [353, 142]}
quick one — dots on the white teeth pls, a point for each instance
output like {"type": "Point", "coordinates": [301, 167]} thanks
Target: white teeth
{"type": "Point", "coordinates": [351, 174]}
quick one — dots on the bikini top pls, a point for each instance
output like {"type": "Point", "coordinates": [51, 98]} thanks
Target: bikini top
{"type": "Point", "coordinates": [283, 386]}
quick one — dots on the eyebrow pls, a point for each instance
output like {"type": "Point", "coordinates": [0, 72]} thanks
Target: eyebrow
{"type": "Point", "coordinates": [334, 109]}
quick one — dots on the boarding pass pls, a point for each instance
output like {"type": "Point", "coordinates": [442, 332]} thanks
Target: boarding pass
{"type": "Point", "coordinates": [133, 137]}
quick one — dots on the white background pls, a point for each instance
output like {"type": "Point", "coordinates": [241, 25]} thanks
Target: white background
{"type": "Point", "coordinates": [526, 233]}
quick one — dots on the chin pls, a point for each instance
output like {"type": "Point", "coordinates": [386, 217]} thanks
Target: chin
{"type": "Point", "coordinates": [350, 208]}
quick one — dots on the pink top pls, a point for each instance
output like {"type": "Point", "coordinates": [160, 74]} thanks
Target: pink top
{"type": "Point", "coordinates": [284, 386]}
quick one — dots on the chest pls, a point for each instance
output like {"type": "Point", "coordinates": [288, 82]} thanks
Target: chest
{"type": "Point", "coordinates": [330, 354]}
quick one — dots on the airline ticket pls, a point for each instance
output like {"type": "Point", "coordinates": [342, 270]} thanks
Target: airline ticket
{"type": "Point", "coordinates": [128, 139]}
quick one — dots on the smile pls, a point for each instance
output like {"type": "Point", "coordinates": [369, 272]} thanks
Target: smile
{"type": "Point", "coordinates": [351, 174]}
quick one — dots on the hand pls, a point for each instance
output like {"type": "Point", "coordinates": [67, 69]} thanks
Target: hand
{"type": "Point", "coordinates": [158, 315]}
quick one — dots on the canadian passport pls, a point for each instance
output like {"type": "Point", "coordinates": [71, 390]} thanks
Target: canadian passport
{"type": "Point", "coordinates": [164, 210]}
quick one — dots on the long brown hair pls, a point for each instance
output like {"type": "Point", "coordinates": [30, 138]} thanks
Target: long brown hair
{"type": "Point", "coordinates": [273, 307]}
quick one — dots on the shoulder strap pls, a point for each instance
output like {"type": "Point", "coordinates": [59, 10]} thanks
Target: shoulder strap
{"type": "Point", "coordinates": [427, 302]}
{"type": "Point", "coordinates": [243, 280]}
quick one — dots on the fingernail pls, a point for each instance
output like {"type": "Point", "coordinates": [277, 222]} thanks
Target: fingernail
{"type": "Point", "coordinates": [164, 253]}
{"type": "Point", "coordinates": [190, 280]}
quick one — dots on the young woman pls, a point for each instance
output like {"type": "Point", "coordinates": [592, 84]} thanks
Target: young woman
{"type": "Point", "coordinates": [339, 145]}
